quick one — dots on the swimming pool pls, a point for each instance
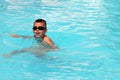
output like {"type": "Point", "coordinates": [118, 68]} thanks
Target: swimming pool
{"type": "Point", "coordinates": [87, 32]}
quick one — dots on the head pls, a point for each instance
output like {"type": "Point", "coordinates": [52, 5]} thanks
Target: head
{"type": "Point", "coordinates": [39, 28]}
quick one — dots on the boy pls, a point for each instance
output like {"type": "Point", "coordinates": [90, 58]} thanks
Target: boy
{"type": "Point", "coordinates": [39, 30]}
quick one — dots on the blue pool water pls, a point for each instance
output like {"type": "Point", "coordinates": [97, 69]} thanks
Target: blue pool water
{"type": "Point", "coordinates": [86, 31]}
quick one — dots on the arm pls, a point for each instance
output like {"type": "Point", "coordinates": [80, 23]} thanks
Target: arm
{"type": "Point", "coordinates": [12, 53]}
{"type": "Point", "coordinates": [16, 52]}
{"type": "Point", "coordinates": [19, 36]}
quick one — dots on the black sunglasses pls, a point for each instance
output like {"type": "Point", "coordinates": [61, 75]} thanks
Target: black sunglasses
{"type": "Point", "coordinates": [39, 28]}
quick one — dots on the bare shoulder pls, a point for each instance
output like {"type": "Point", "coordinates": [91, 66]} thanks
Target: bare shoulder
{"type": "Point", "coordinates": [48, 40]}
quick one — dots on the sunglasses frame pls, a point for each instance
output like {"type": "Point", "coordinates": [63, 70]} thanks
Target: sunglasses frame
{"type": "Point", "coordinates": [39, 28]}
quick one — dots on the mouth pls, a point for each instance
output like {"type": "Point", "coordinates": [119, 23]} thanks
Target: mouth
{"type": "Point", "coordinates": [38, 34]}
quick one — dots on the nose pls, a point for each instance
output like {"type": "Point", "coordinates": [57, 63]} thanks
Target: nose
{"type": "Point", "coordinates": [37, 30]}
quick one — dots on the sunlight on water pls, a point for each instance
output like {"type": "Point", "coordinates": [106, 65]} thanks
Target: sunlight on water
{"type": "Point", "coordinates": [86, 31]}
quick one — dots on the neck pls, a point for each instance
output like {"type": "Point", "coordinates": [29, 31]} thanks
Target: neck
{"type": "Point", "coordinates": [39, 37]}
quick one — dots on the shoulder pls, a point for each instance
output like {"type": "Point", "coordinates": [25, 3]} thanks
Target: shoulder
{"type": "Point", "coordinates": [48, 40]}
{"type": "Point", "coordinates": [46, 37]}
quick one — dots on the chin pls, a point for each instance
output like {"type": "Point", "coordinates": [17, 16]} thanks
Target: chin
{"type": "Point", "coordinates": [38, 36]}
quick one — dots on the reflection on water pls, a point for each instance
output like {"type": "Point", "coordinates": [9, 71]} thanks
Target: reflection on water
{"type": "Point", "coordinates": [22, 45]}
{"type": "Point", "coordinates": [85, 30]}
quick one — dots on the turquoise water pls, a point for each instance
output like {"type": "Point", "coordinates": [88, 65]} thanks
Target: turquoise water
{"type": "Point", "coordinates": [86, 31]}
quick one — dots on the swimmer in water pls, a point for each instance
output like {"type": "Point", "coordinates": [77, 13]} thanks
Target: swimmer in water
{"type": "Point", "coordinates": [39, 30]}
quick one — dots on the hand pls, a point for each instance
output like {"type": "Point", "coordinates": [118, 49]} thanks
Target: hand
{"type": "Point", "coordinates": [6, 55]}
{"type": "Point", "coordinates": [14, 35]}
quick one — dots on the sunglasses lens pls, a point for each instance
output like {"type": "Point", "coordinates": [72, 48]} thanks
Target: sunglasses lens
{"type": "Point", "coordinates": [34, 28]}
{"type": "Point", "coordinates": [39, 28]}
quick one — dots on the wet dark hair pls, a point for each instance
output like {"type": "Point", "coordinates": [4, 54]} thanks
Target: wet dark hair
{"type": "Point", "coordinates": [41, 20]}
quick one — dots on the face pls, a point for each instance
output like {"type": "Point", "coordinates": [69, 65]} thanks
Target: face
{"type": "Point", "coordinates": [39, 29]}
